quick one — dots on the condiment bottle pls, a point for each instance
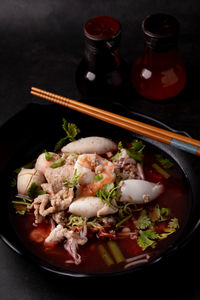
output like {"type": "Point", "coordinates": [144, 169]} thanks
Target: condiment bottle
{"type": "Point", "coordinates": [159, 73]}
{"type": "Point", "coordinates": [101, 71]}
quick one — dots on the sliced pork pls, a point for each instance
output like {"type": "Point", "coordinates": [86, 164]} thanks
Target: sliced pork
{"type": "Point", "coordinates": [56, 176]}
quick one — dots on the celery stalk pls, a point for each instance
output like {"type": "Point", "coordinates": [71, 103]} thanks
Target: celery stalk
{"type": "Point", "coordinates": [161, 171]}
{"type": "Point", "coordinates": [105, 255]}
{"type": "Point", "coordinates": [116, 252]}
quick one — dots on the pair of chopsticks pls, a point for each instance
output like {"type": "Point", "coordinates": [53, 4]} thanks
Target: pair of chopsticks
{"type": "Point", "coordinates": [167, 137]}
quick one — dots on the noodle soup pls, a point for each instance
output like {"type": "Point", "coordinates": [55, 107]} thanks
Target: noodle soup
{"type": "Point", "coordinates": [97, 206]}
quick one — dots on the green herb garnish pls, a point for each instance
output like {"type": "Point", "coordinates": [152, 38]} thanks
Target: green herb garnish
{"type": "Point", "coordinates": [20, 206]}
{"type": "Point", "coordinates": [58, 163]}
{"type": "Point", "coordinates": [172, 227]}
{"type": "Point", "coordinates": [135, 155]}
{"type": "Point", "coordinates": [73, 181]}
{"type": "Point", "coordinates": [32, 190]}
{"type": "Point", "coordinates": [120, 146]}
{"type": "Point", "coordinates": [21, 203]}
{"type": "Point", "coordinates": [147, 238]}
{"type": "Point", "coordinates": [164, 162]}
{"type": "Point", "coordinates": [123, 220]}
{"type": "Point", "coordinates": [136, 151]}
{"type": "Point", "coordinates": [48, 156]}
{"type": "Point", "coordinates": [161, 171]}
{"type": "Point", "coordinates": [116, 156]}
{"type": "Point", "coordinates": [71, 131]}
{"type": "Point", "coordinates": [165, 211]}
{"type": "Point", "coordinates": [98, 177]}
{"type": "Point", "coordinates": [24, 198]}
{"type": "Point", "coordinates": [41, 192]}
{"type": "Point", "coordinates": [143, 221]}
{"type": "Point", "coordinates": [173, 223]}
{"type": "Point", "coordinates": [108, 192]}
{"type": "Point", "coordinates": [21, 212]}
{"type": "Point", "coordinates": [119, 177]}
{"type": "Point", "coordinates": [159, 214]}
{"type": "Point", "coordinates": [137, 145]}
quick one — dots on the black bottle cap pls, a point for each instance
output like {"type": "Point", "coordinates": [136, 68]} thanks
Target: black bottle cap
{"type": "Point", "coordinates": [161, 32]}
{"type": "Point", "coordinates": [102, 32]}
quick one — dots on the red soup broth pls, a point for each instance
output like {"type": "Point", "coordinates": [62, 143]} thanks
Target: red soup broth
{"type": "Point", "coordinates": [175, 197]}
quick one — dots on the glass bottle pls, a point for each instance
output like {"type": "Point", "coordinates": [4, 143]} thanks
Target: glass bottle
{"type": "Point", "coordinates": [102, 71]}
{"type": "Point", "coordinates": [159, 72]}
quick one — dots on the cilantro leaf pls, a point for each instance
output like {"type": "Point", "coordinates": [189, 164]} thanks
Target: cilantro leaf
{"type": "Point", "coordinates": [173, 224]}
{"type": "Point", "coordinates": [138, 156]}
{"type": "Point", "coordinates": [120, 146]}
{"type": "Point", "coordinates": [155, 213]}
{"type": "Point", "coordinates": [159, 214]}
{"type": "Point", "coordinates": [164, 162]}
{"type": "Point", "coordinates": [151, 234]}
{"type": "Point", "coordinates": [108, 192]}
{"type": "Point", "coordinates": [32, 190]}
{"type": "Point", "coordinates": [108, 187]}
{"type": "Point", "coordinates": [116, 156]}
{"type": "Point", "coordinates": [165, 211]}
{"type": "Point", "coordinates": [73, 181]}
{"type": "Point", "coordinates": [143, 221]}
{"type": "Point", "coordinates": [172, 227]}
{"type": "Point", "coordinates": [137, 145]}
{"type": "Point", "coordinates": [147, 238]}
{"type": "Point", "coordinates": [136, 150]}
{"type": "Point", "coordinates": [71, 131]}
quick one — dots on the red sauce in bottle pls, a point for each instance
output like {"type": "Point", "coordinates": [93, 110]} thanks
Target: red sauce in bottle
{"type": "Point", "coordinates": [159, 72]}
{"type": "Point", "coordinates": [102, 27]}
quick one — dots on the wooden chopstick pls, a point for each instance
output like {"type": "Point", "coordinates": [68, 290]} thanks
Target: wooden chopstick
{"type": "Point", "coordinates": [83, 106]}
{"type": "Point", "coordinates": [159, 134]}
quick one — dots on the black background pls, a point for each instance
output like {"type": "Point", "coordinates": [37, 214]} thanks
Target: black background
{"type": "Point", "coordinates": [41, 44]}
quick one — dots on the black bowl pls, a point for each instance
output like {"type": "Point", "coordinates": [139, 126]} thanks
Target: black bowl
{"type": "Point", "coordinates": [38, 127]}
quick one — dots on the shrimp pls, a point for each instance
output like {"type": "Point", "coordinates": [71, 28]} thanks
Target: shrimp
{"type": "Point", "coordinates": [95, 171]}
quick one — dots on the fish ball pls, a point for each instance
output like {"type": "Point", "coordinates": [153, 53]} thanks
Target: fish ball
{"type": "Point", "coordinates": [26, 177]}
{"type": "Point", "coordinates": [92, 144]}
{"type": "Point", "coordinates": [90, 207]}
{"type": "Point", "coordinates": [140, 191]}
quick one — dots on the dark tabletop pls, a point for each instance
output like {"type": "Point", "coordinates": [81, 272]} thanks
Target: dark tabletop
{"type": "Point", "coordinates": [41, 45]}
